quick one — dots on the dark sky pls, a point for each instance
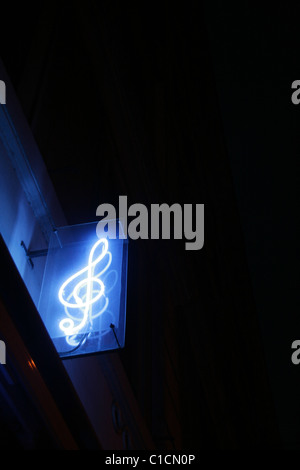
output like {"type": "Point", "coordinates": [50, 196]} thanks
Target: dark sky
{"type": "Point", "coordinates": [256, 59]}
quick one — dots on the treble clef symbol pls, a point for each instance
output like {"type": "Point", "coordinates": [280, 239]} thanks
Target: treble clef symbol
{"type": "Point", "coordinates": [85, 293]}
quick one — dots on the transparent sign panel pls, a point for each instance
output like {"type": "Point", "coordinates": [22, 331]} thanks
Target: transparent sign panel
{"type": "Point", "coordinates": [83, 295]}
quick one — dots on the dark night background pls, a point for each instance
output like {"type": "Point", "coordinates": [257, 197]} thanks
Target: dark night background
{"type": "Point", "coordinates": [186, 103]}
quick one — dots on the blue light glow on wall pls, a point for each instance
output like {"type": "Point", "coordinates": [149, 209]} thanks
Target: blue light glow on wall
{"type": "Point", "coordinates": [83, 297]}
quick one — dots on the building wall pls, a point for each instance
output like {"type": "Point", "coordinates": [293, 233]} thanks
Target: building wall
{"type": "Point", "coordinates": [29, 212]}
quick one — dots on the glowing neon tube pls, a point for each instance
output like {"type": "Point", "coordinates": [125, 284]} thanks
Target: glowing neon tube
{"type": "Point", "coordinates": [84, 294]}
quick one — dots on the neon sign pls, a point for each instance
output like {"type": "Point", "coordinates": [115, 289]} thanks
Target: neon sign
{"type": "Point", "coordinates": [83, 298]}
{"type": "Point", "coordinates": [84, 292]}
